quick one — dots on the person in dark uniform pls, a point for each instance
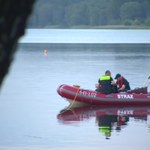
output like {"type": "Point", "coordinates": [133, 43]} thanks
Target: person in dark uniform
{"type": "Point", "coordinates": [122, 83]}
{"type": "Point", "coordinates": [106, 83]}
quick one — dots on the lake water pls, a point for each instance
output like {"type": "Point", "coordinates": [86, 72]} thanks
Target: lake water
{"type": "Point", "coordinates": [31, 110]}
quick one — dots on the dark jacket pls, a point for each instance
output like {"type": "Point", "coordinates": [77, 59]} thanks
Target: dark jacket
{"type": "Point", "coordinates": [125, 82]}
{"type": "Point", "coordinates": [105, 84]}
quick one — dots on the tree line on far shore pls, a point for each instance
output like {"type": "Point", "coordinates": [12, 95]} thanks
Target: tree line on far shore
{"type": "Point", "coordinates": [90, 13]}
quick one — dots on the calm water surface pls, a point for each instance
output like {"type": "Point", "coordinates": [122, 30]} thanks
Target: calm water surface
{"type": "Point", "coordinates": [30, 106]}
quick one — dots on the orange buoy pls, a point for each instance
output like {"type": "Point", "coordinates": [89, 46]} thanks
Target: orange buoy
{"type": "Point", "coordinates": [45, 52]}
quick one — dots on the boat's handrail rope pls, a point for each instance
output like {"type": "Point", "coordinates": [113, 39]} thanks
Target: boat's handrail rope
{"type": "Point", "coordinates": [71, 104]}
{"type": "Point", "coordinates": [75, 97]}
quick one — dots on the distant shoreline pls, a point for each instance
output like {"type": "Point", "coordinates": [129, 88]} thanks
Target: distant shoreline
{"type": "Point", "coordinates": [95, 27]}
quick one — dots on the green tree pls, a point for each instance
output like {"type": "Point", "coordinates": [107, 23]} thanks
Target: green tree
{"type": "Point", "coordinates": [131, 11]}
{"type": "Point", "coordinates": [94, 15]}
{"type": "Point", "coordinates": [98, 12]}
{"type": "Point", "coordinates": [77, 15]}
{"type": "Point", "coordinates": [147, 22]}
{"type": "Point", "coordinates": [146, 8]}
{"type": "Point", "coordinates": [71, 13]}
{"type": "Point", "coordinates": [45, 15]}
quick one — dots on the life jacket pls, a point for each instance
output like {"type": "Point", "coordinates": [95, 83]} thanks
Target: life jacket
{"type": "Point", "coordinates": [105, 78]}
{"type": "Point", "coordinates": [120, 82]}
{"type": "Point", "coordinates": [105, 82]}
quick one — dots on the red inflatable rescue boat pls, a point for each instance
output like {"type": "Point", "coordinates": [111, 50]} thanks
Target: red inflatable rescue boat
{"type": "Point", "coordinates": [78, 96]}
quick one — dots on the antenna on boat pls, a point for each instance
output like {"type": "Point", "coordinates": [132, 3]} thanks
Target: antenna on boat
{"type": "Point", "coordinates": [147, 81]}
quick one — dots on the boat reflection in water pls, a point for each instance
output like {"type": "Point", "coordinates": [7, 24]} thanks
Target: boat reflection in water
{"type": "Point", "coordinates": [107, 118]}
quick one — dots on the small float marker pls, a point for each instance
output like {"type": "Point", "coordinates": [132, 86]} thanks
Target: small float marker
{"type": "Point", "coordinates": [45, 52]}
